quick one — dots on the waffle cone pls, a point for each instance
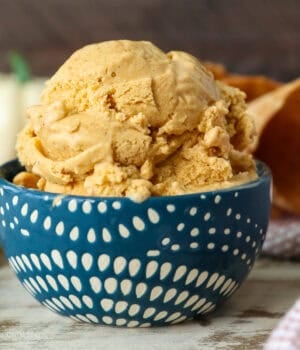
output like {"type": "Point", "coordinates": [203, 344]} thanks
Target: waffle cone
{"type": "Point", "coordinates": [277, 119]}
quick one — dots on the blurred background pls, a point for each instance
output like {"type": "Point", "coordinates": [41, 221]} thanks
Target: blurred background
{"type": "Point", "coordinates": [258, 36]}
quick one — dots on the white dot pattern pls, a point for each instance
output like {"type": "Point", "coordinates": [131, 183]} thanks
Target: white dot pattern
{"type": "Point", "coordinates": [91, 235]}
{"type": "Point", "coordinates": [59, 229]}
{"type": "Point", "coordinates": [34, 216]}
{"type": "Point", "coordinates": [153, 216]}
{"type": "Point", "coordinates": [175, 247]}
{"type": "Point", "coordinates": [72, 206]}
{"type": "Point", "coordinates": [102, 207]}
{"type": "Point", "coordinates": [181, 289]}
{"type": "Point", "coordinates": [229, 212]}
{"type": "Point", "coordinates": [180, 226]}
{"type": "Point", "coordinates": [171, 208]}
{"type": "Point", "coordinates": [207, 216]}
{"type": "Point", "coordinates": [194, 245]}
{"type": "Point", "coordinates": [165, 241]}
{"type": "Point", "coordinates": [116, 205]}
{"type": "Point", "coordinates": [106, 235]}
{"type": "Point", "coordinates": [212, 230]}
{"type": "Point", "coordinates": [87, 207]}
{"type": "Point", "coordinates": [217, 199]}
{"type": "Point", "coordinates": [195, 232]}
{"type": "Point", "coordinates": [47, 223]}
{"type": "Point", "coordinates": [193, 211]}
{"type": "Point", "coordinates": [123, 230]}
{"type": "Point", "coordinates": [24, 209]}
{"type": "Point", "coordinates": [138, 223]}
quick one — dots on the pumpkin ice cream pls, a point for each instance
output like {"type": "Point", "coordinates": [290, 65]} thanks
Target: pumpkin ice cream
{"type": "Point", "coordinates": [122, 118]}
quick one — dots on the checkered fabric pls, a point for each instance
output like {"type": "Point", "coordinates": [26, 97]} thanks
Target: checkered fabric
{"type": "Point", "coordinates": [283, 241]}
{"type": "Point", "coordinates": [286, 336]}
{"type": "Point", "coordinates": [283, 238]}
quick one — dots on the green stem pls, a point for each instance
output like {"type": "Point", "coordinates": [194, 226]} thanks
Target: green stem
{"type": "Point", "coordinates": [19, 67]}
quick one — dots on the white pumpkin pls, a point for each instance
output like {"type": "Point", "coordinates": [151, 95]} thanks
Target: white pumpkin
{"type": "Point", "coordinates": [15, 97]}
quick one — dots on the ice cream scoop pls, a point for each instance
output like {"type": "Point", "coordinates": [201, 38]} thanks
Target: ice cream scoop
{"type": "Point", "coordinates": [123, 118]}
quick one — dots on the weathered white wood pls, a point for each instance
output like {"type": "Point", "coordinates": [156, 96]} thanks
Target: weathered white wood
{"type": "Point", "coordinates": [243, 323]}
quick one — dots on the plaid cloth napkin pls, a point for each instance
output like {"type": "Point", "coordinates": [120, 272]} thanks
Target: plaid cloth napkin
{"type": "Point", "coordinates": [287, 334]}
{"type": "Point", "coordinates": [283, 237]}
{"type": "Point", "coordinates": [283, 241]}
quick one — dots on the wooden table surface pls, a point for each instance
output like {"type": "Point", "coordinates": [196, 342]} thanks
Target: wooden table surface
{"type": "Point", "coordinates": [243, 323]}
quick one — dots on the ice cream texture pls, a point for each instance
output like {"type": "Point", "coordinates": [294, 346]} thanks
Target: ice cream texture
{"type": "Point", "coordinates": [122, 118]}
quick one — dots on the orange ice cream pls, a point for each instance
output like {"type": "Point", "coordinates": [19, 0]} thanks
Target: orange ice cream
{"type": "Point", "coordinates": [122, 118]}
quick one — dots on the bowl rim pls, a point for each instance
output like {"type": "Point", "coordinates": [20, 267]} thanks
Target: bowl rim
{"type": "Point", "coordinates": [263, 171]}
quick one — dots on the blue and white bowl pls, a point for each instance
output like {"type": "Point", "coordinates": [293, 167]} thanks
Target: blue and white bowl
{"type": "Point", "coordinates": [116, 262]}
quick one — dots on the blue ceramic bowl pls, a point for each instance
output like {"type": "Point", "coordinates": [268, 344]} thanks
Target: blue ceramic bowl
{"type": "Point", "coordinates": [116, 262]}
